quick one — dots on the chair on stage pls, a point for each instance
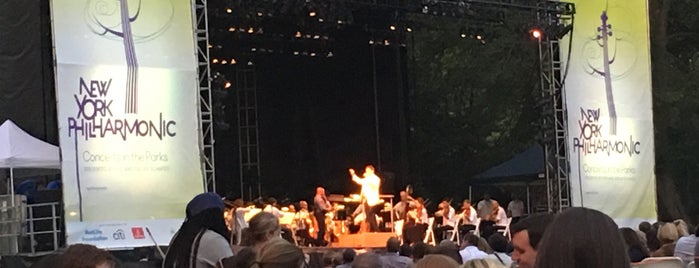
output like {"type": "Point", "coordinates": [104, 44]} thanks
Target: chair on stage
{"type": "Point", "coordinates": [398, 228]}
{"type": "Point", "coordinates": [691, 264]}
{"type": "Point", "coordinates": [429, 234]}
{"type": "Point", "coordinates": [477, 223]}
{"type": "Point", "coordinates": [453, 234]}
{"type": "Point", "coordinates": [659, 262]}
{"type": "Point", "coordinates": [506, 232]}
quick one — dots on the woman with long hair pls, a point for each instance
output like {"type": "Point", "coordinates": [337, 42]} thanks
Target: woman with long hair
{"type": "Point", "coordinates": [202, 240]}
{"type": "Point", "coordinates": [582, 238]}
{"type": "Point", "coordinates": [637, 250]}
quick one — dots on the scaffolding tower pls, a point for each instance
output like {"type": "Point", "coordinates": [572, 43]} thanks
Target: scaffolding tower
{"type": "Point", "coordinates": [206, 115]}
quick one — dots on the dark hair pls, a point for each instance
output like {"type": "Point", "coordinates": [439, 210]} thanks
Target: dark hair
{"type": "Point", "coordinates": [392, 244]}
{"type": "Point", "coordinates": [644, 226]}
{"type": "Point", "coordinates": [244, 258]}
{"type": "Point", "coordinates": [84, 256]}
{"type": "Point", "coordinates": [632, 240]}
{"type": "Point", "coordinates": [535, 225]}
{"type": "Point", "coordinates": [405, 250]}
{"type": "Point", "coordinates": [271, 200]}
{"type": "Point", "coordinates": [420, 249]}
{"type": "Point", "coordinates": [582, 238]}
{"type": "Point", "coordinates": [696, 230]}
{"type": "Point", "coordinates": [367, 260]}
{"type": "Point", "coordinates": [498, 242]}
{"type": "Point", "coordinates": [471, 239]}
{"type": "Point", "coordinates": [180, 252]}
{"type": "Point", "coordinates": [348, 255]}
{"type": "Point", "coordinates": [449, 251]}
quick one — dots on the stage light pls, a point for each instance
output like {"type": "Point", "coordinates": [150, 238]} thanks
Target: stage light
{"type": "Point", "coordinates": [251, 30]}
{"type": "Point", "coordinates": [231, 29]}
{"type": "Point", "coordinates": [330, 54]}
{"type": "Point", "coordinates": [316, 36]}
{"type": "Point", "coordinates": [298, 35]}
{"type": "Point", "coordinates": [392, 27]}
{"type": "Point", "coordinates": [410, 30]}
{"type": "Point", "coordinates": [296, 53]}
{"type": "Point", "coordinates": [227, 84]}
{"type": "Point", "coordinates": [371, 42]}
{"type": "Point", "coordinates": [250, 63]}
{"type": "Point", "coordinates": [386, 43]}
{"type": "Point", "coordinates": [210, 46]}
{"type": "Point", "coordinates": [479, 37]}
{"type": "Point", "coordinates": [259, 14]}
{"type": "Point", "coordinates": [312, 14]}
{"type": "Point", "coordinates": [425, 9]}
{"type": "Point", "coordinates": [233, 61]}
{"type": "Point", "coordinates": [224, 62]}
{"type": "Point", "coordinates": [321, 20]}
{"type": "Point", "coordinates": [463, 35]}
{"type": "Point", "coordinates": [313, 54]}
{"type": "Point", "coordinates": [340, 22]}
{"type": "Point", "coordinates": [253, 49]}
{"type": "Point", "coordinates": [229, 10]}
{"type": "Point", "coordinates": [536, 33]}
{"type": "Point", "coordinates": [214, 61]}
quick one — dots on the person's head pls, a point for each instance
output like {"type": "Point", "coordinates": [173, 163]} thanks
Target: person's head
{"type": "Point", "coordinates": [332, 258]}
{"type": "Point", "coordinates": [581, 237]}
{"type": "Point", "coordinates": [393, 245]}
{"type": "Point", "coordinates": [263, 227]}
{"type": "Point", "coordinates": [498, 242]}
{"type": "Point", "coordinates": [483, 263]}
{"type": "Point", "coordinates": [367, 260]}
{"type": "Point", "coordinates": [86, 256]}
{"type": "Point", "coordinates": [419, 250]}
{"type": "Point", "coordinates": [348, 255]}
{"type": "Point", "coordinates": [526, 235]}
{"type": "Point", "coordinates": [303, 205]}
{"type": "Point", "coordinates": [484, 246]}
{"type": "Point", "coordinates": [320, 191]}
{"type": "Point", "coordinates": [465, 204]}
{"type": "Point", "coordinates": [278, 252]}
{"type": "Point", "coordinates": [369, 170]}
{"type": "Point", "coordinates": [436, 260]}
{"type": "Point", "coordinates": [644, 226]}
{"type": "Point", "coordinates": [682, 227]}
{"type": "Point", "coordinates": [272, 201]}
{"type": "Point", "coordinates": [450, 250]}
{"type": "Point", "coordinates": [244, 258]}
{"type": "Point", "coordinates": [471, 240]}
{"type": "Point", "coordinates": [403, 196]}
{"type": "Point", "coordinates": [668, 233]}
{"type": "Point", "coordinates": [405, 250]}
{"type": "Point", "coordinates": [631, 239]}
{"type": "Point", "coordinates": [495, 205]}
{"type": "Point", "coordinates": [203, 212]}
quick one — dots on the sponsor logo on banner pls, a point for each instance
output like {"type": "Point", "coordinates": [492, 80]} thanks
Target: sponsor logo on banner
{"type": "Point", "coordinates": [137, 233]}
{"type": "Point", "coordinates": [592, 141]}
{"type": "Point", "coordinates": [93, 235]}
{"type": "Point", "coordinates": [119, 235]}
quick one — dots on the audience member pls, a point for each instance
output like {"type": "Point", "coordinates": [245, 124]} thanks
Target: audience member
{"type": "Point", "coordinates": [331, 259]}
{"type": "Point", "coordinates": [685, 246]}
{"type": "Point", "coordinates": [471, 251]}
{"type": "Point", "coordinates": [406, 250]}
{"type": "Point", "coordinates": [436, 261]}
{"type": "Point", "coordinates": [651, 235]}
{"type": "Point", "coordinates": [526, 235]}
{"type": "Point", "coordinates": [449, 249]}
{"type": "Point", "coordinates": [483, 263]}
{"type": "Point", "coordinates": [245, 258]}
{"type": "Point", "coordinates": [367, 260]}
{"type": "Point", "coordinates": [636, 249]}
{"type": "Point", "coordinates": [279, 253]}
{"type": "Point", "coordinates": [87, 256]}
{"type": "Point", "coordinates": [263, 227]}
{"type": "Point", "coordinates": [484, 246]}
{"type": "Point", "coordinates": [347, 258]}
{"type": "Point", "coordinates": [582, 237]}
{"type": "Point", "coordinates": [202, 240]}
{"type": "Point", "coordinates": [667, 235]}
{"type": "Point", "coordinates": [499, 245]}
{"type": "Point", "coordinates": [392, 259]}
{"type": "Point", "coordinates": [420, 249]}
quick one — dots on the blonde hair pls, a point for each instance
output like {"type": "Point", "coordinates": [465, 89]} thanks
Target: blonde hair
{"type": "Point", "coordinates": [483, 263]}
{"type": "Point", "coordinates": [278, 252]}
{"type": "Point", "coordinates": [262, 227]}
{"type": "Point", "coordinates": [436, 261]}
{"type": "Point", "coordinates": [668, 233]}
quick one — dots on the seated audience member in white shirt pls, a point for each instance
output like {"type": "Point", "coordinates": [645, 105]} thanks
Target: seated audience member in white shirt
{"type": "Point", "coordinates": [471, 251]}
{"type": "Point", "coordinates": [685, 246]}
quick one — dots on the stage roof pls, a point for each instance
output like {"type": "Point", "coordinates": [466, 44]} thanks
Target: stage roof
{"type": "Point", "coordinates": [523, 167]}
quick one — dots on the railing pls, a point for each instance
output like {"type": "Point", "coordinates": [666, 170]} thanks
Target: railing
{"type": "Point", "coordinates": [40, 235]}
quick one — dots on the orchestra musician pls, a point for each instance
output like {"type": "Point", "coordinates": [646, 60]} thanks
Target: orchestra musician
{"type": "Point", "coordinates": [370, 194]}
{"type": "Point", "coordinates": [402, 207]}
{"type": "Point", "coordinates": [321, 206]}
{"type": "Point", "coordinates": [303, 224]}
{"type": "Point", "coordinates": [416, 220]}
{"type": "Point", "coordinates": [447, 214]}
{"type": "Point", "coordinates": [468, 216]}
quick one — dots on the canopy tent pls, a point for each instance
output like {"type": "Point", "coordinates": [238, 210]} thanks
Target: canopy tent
{"type": "Point", "coordinates": [523, 169]}
{"type": "Point", "coordinates": [19, 150]}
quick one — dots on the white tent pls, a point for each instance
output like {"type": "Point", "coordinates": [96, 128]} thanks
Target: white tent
{"type": "Point", "coordinates": [20, 150]}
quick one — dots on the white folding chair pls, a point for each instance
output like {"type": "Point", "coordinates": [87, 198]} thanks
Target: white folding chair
{"type": "Point", "coordinates": [398, 228]}
{"type": "Point", "coordinates": [477, 231]}
{"type": "Point", "coordinates": [659, 262]}
{"type": "Point", "coordinates": [429, 234]}
{"type": "Point", "coordinates": [506, 232]}
{"type": "Point", "coordinates": [691, 265]}
{"type": "Point", "coordinates": [455, 236]}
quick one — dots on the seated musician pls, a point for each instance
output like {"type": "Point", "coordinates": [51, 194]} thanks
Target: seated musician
{"type": "Point", "coordinates": [303, 224]}
{"type": "Point", "coordinates": [238, 222]}
{"type": "Point", "coordinates": [447, 214]}
{"type": "Point", "coordinates": [415, 222]}
{"type": "Point", "coordinates": [501, 215]}
{"type": "Point", "coordinates": [271, 207]}
{"type": "Point", "coordinates": [402, 207]}
{"type": "Point", "coordinates": [468, 217]}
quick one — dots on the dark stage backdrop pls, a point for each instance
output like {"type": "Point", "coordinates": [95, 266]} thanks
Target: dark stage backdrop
{"type": "Point", "coordinates": [27, 94]}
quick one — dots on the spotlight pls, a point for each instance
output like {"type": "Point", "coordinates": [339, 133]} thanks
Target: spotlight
{"type": "Point", "coordinates": [296, 53]}
{"type": "Point", "coordinates": [259, 14]}
{"type": "Point", "coordinates": [463, 35]}
{"type": "Point", "coordinates": [214, 61]}
{"type": "Point", "coordinates": [231, 29]}
{"type": "Point", "coordinates": [229, 10]}
{"type": "Point", "coordinates": [321, 20]}
{"type": "Point", "coordinates": [312, 14]}
{"type": "Point", "coordinates": [371, 42]}
{"type": "Point", "coordinates": [251, 30]}
{"type": "Point", "coordinates": [392, 27]}
{"type": "Point", "coordinates": [250, 63]}
{"type": "Point", "coordinates": [298, 35]}
{"type": "Point", "coordinates": [536, 33]}
{"type": "Point", "coordinates": [340, 22]}
{"type": "Point", "coordinates": [227, 84]}
{"type": "Point", "coordinates": [313, 54]}
{"type": "Point", "coordinates": [233, 61]}
{"type": "Point", "coordinates": [330, 54]}
{"type": "Point", "coordinates": [410, 30]}
{"type": "Point", "coordinates": [479, 37]}
{"type": "Point", "coordinates": [224, 62]}
{"type": "Point", "coordinates": [386, 43]}
{"type": "Point", "coordinates": [316, 36]}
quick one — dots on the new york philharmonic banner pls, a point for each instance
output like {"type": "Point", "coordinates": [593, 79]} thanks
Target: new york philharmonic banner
{"type": "Point", "coordinates": [610, 115]}
{"type": "Point", "coordinates": [126, 81]}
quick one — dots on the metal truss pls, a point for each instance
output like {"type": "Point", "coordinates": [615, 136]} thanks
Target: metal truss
{"type": "Point", "coordinates": [248, 137]}
{"type": "Point", "coordinates": [554, 114]}
{"type": "Point", "coordinates": [206, 115]}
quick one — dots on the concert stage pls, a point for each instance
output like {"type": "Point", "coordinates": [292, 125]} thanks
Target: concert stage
{"type": "Point", "coordinates": [363, 240]}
